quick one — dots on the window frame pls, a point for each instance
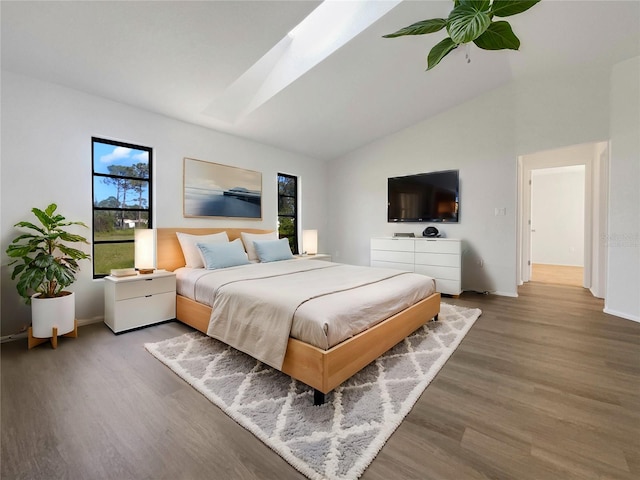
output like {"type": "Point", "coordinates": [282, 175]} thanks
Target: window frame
{"type": "Point", "coordinates": [95, 208]}
{"type": "Point", "coordinates": [294, 243]}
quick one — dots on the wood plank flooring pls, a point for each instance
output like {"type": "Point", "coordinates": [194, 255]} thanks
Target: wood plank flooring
{"type": "Point", "coordinates": [544, 386]}
{"type": "Point", "coordinates": [557, 274]}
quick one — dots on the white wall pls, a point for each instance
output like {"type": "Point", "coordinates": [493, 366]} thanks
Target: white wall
{"type": "Point", "coordinates": [481, 138]}
{"type": "Point", "coordinates": [46, 157]}
{"type": "Point", "coordinates": [600, 212]}
{"type": "Point", "coordinates": [557, 214]}
{"type": "Point", "coordinates": [623, 237]}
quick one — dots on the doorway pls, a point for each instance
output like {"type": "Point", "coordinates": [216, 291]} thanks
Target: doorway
{"type": "Point", "coordinates": [557, 225]}
{"type": "Point", "coordinates": [592, 159]}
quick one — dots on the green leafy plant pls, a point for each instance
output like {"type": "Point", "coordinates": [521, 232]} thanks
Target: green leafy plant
{"type": "Point", "coordinates": [471, 21]}
{"type": "Point", "coordinates": [45, 263]}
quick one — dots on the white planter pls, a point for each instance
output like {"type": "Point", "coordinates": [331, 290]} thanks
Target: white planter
{"type": "Point", "coordinates": [46, 313]}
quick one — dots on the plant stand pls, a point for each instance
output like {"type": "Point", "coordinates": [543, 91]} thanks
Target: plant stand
{"type": "Point", "coordinates": [35, 341]}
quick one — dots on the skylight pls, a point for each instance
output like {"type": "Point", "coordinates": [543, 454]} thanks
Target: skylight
{"type": "Point", "coordinates": [330, 26]}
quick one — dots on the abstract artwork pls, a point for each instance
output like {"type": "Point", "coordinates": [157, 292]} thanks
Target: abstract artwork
{"type": "Point", "coordinates": [215, 190]}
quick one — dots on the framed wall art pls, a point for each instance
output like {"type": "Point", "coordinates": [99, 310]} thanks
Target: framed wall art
{"type": "Point", "coordinates": [216, 190]}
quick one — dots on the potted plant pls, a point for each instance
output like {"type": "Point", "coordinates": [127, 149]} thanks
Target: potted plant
{"type": "Point", "coordinates": [45, 266]}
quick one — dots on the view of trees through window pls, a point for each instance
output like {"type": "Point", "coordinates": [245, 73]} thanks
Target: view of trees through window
{"type": "Point", "coordinates": [288, 209]}
{"type": "Point", "coordinates": [121, 202]}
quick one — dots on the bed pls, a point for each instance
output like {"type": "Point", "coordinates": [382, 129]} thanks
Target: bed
{"type": "Point", "coordinates": [323, 369]}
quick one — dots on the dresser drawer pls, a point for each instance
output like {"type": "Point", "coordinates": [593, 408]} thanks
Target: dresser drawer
{"type": "Point", "coordinates": [142, 287]}
{"type": "Point", "coordinates": [438, 259]}
{"type": "Point", "coordinates": [443, 273]}
{"type": "Point", "coordinates": [395, 245]}
{"type": "Point", "coordinates": [438, 246]}
{"type": "Point", "coordinates": [396, 257]}
{"type": "Point", "coordinates": [407, 267]}
{"type": "Point", "coordinates": [142, 311]}
{"type": "Point", "coordinates": [450, 287]}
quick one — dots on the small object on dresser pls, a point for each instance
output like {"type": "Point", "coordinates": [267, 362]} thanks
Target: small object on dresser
{"type": "Point", "coordinates": [123, 272]}
{"type": "Point", "coordinates": [146, 271]}
{"type": "Point", "coordinates": [404, 235]}
{"type": "Point", "coordinates": [431, 232]}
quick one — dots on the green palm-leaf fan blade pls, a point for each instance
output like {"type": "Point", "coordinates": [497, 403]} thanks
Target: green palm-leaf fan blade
{"type": "Point", "coordinates": [498, 36]}
{"type": "Point", "coordinates": [466, 23]}
{"type": "Point", "coordinates": [439, 51]}
{"type": "Point", "coordinates": [420, 28]}
{"type": "Point", "coordinates": [506, 8]}
{"type": "Point", "coordinates": [477, 4]}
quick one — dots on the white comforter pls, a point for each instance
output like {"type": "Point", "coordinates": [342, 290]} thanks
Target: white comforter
{"type": "Point", "coordinates": [257, 307]}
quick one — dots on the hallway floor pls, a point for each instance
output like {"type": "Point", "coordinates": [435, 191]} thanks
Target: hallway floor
{"type": "Point", "coordinates": [557, 274]}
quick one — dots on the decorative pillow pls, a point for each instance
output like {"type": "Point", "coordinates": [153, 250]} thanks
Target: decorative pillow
{"type": "Point", "coordinates": [249, 238]}
{"type": "Point", "coordinates": [191, 253]}
{"type": "Point", "coordinates": [223, 255]}
{"type": "Point", "coordinates": [273, 250]}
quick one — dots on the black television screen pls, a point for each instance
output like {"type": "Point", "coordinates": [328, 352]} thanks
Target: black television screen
{"type": "Point", "coordinates": [425, 197]}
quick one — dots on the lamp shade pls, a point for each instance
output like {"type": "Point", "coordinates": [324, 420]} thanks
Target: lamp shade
{"type": "Point", "coordinates": [145, 249]}
{"type": "Point", "coordinates": [310, 241]}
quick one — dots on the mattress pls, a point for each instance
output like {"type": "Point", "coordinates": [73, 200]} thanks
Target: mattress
{"type": "Point", "coordinates": [327, 319]}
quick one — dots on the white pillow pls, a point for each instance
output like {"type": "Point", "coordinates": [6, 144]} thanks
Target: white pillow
{"type": "Point", "coordinates": [191, 252]}
{"type": "Point", "coordinates": [248, 238]}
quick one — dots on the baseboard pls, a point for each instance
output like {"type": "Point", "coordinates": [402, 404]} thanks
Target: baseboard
{"type": "Point", "coordinates": [624, 315]}
{"type": "Point", "coordinates": [88, 321]}
{"type": "Point", "coordinates": [595, 293]}
{"type": "Point", "coordinates": [11, 338]}
{"type": "Point", "coordinates": [489, 292]}
{"type": "Point", "coordinates": [81, 323]}
{"type": "Point", "coordinates": [506, 294]}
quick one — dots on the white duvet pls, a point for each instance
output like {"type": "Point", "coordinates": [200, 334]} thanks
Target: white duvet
{"type": "Point", "coordinates": [257, 307]}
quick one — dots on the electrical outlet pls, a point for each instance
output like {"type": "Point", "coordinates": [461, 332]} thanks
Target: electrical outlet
{"type": "Point", "coordinates": [481, 263]}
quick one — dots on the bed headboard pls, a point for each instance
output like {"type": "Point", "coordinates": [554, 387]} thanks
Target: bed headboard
{"type": "Point", "coordinates": [169, 253]}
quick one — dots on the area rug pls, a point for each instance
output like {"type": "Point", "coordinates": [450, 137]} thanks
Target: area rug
{"type": "Point", "coordinates": [339, 439]}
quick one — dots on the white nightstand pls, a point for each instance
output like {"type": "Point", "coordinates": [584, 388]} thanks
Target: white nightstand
{"type": "Point", "coordinates": [318, 256]}
{"type": "Point", "coordinates": [139, 300]}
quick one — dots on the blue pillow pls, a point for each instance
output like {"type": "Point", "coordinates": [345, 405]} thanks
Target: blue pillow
{"type": "Point", "coordinates": [223, 255]}
{"type": "Point", "coordinates": [273, 250]}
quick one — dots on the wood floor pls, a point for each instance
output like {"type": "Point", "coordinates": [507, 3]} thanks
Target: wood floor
{"type": "Point", "coordinates": [557, 274]}
{"type": "Point", "coordinates": [544, 386]}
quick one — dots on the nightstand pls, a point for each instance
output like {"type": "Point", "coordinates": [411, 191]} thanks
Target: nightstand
{"type": "Point", "coordinates": [318, 256]}
{"type": "Point", "coordinates": [139, 300]}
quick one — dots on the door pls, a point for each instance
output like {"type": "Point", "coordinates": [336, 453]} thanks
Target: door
{"type": "Point", "coordinates": [558, 224]}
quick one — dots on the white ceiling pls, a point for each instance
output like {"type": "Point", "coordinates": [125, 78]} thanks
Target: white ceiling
{"type": "Point", "coordinates": [177, 57]}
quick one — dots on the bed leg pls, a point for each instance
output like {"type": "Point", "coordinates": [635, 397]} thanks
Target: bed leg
{"type": "Point", "coordinates": [318, 397]}
{"type": "Point", "coordinates": [435, 318]}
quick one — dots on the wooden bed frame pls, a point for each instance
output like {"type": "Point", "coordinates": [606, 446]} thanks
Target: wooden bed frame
{"type": "Point", "coordinates": [321, 369]}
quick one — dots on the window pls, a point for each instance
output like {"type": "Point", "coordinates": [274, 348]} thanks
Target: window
{"type": "Point", "coordinates": [121, 201]}
{"type": "Point", "coordinates": [288, 209]}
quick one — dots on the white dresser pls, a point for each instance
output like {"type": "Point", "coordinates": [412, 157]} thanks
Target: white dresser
{"type": "Point", "coordinates": [139, 300]}
{"type": "Point", "coordinates": [440, 258]}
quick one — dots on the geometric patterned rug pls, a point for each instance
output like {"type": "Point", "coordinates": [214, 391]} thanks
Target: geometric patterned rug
{"type": "Point", "coordinates": [339, 439]}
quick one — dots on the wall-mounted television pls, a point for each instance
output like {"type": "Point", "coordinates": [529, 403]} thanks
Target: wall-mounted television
{"type": "Point", "coordinates": [425, 197]}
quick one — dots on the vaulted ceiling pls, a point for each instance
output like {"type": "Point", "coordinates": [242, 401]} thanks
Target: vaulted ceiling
{"type": "Point", "coordinates": [178, 58]}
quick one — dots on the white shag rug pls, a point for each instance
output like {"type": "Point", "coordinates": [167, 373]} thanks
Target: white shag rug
{"type": "Point", "coordinates": [339, 439]}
